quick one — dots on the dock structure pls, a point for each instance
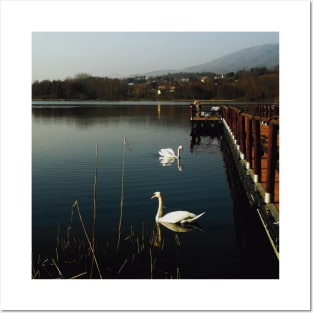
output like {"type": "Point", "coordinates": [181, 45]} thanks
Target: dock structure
{"type": "Point", "coordinates": [253, 140]}
{"type": "Point", "coordinates": [208, 120]}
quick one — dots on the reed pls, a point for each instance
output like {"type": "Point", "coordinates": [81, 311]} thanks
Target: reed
{"type": "Point", "coordinates": [78, 275]}
{"type": "Point", "coordinates": [177, 240]}
{"type": "Point", "coordinates": [139, 255]}
{"type": "Point", "coordinates": [94, 208]}
{"type": "Point", "coordinates": [35, 272]}
{"type": "Point", "coordinates": [125, 143]}
{"type": "Point", "coordinates": [58, 243]}
{"type": "Point", "coordinates": [60, 273]}
{"type": "Point", "coordinates": [118, 272]}
{"type": "Point", "coordinates": [151, 264]}
{"type": "Point", "coordinates": [140, 246]}
{"type": "Point", "coordinates": [86, 235]}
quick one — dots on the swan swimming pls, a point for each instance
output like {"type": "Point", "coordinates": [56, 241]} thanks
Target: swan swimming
{"type": "Point", "coordinates": [169, 152]}
{"type": "Point", "coordinates": [181, 217]}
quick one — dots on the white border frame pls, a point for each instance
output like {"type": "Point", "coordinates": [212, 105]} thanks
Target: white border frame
{"type": "Point", "coordinates": [19, 19]}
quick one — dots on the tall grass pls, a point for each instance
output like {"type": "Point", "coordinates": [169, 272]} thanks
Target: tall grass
{"type": "Point", "coordinates": [94, 208]}
{"type": "Point", "coordinates": [86, 235]}
{"type": "Point", "coordinates": [125, 143]}
{"type": "Point", "coordinates": [73, 254]}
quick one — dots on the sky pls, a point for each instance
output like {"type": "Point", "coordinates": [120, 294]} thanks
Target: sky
{"type": "Point", "coordinates": [59, 55]}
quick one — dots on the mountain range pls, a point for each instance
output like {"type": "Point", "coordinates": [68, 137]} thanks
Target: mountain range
{"type": "Point", "coordinates": [259, 56]}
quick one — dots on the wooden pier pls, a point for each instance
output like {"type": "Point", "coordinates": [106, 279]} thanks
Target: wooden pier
{"type": "Point", "coordinates": [254, 139]}
{"type": "Point", "coordinates": [254, 143]}
{"type": "Point", "coordinates": [209, 120]}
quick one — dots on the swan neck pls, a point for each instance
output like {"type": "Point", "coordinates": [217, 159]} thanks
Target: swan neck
{"type": "Point", "coordinates": [159, 213]}
{"type": "Point", "coordinates": [178, 153]}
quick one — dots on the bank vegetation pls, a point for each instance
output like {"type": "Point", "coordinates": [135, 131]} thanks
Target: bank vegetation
{"type": "Point", "coordinates": [256, 84]}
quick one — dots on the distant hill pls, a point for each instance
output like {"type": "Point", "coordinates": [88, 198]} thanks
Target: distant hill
{"type": "Point", "coordinates": [265, 55]}
{"type": "Point", "coordinates": [161, 73]}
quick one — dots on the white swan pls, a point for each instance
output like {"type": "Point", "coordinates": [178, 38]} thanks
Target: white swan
{"type": "Point", "coordinates": [169, 152]}
{"type": "Point", "coordinates": [181, 217]}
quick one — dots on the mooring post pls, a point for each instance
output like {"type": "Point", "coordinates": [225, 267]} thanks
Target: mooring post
{"type": "Point", "coordinates": [271, 161]}
{"type": "Point", "coordinates": [257, 150]}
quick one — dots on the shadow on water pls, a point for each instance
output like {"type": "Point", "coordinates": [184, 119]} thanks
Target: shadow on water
{"type": "Point", "coordinates": [255, 250]}
{"type": "Point", "coordinates": [257, 255]}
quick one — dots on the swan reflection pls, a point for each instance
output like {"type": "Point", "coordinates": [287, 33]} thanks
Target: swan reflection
{"type": "Point", "coordinates": [176, 228]}
{"type": "Point", "coordinates": [166, 161]}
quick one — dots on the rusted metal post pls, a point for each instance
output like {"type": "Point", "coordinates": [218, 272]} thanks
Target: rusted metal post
{"type": "Point", "coordinates": [257, 150]}
{"type": "Point", "coordinates": [271, 161]}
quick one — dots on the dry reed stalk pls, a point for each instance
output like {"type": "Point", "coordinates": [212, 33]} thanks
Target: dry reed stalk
{"type": "Point", "coordinates": [122, 195]}
{"type": "Point", "coordinates": [151, 264]}
{"type": "Point", "coordinates": [58, 243]}
{"type": "Point", "coordinates": [177, 240]}
{"type": "Point", "coordinates": [122, 267]}
{"type": "Point", "coordinates": [60, 273]}
{"type": "Point", "coordinates": [94, 207]}
{"type": "Point", "coordinates": [143, 237]}
{"type": "Point", "coordinates": [78, 275]}
{"type": "Point", "coordinates": [138, 245]}
{"type": "Point", "coordinates": [143, 232]}
{"type": "Point", "coordinates": [132, 233]}
{"type": "Point", "coordinates": [35, 275]}
{"type": "Point", "coordinates": [86, 235]}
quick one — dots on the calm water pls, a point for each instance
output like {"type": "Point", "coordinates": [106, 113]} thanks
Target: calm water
{"type": "Point", "coordinates": [229, 242]}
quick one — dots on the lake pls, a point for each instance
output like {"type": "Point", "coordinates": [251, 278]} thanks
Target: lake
{"type": "Point", "coordinates": [104, 155]}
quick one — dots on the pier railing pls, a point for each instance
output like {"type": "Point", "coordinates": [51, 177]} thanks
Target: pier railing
{"type": "Point", "coordinates": [252, 136]}
{"type": "Point", "coordinates": [258, 139]}
{"type": "Point", "coordinates": [267, 111]}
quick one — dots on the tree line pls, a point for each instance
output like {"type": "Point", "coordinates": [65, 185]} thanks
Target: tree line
{"type": "Point", "coordinates": [245, 85]}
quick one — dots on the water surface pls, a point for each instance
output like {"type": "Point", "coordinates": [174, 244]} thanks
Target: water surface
{"type": "Point", "coordinates": [63, 170]}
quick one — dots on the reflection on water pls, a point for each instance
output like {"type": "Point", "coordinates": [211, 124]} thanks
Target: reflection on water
{"type": "Point", "coordinates": [63, 161]}
{"type": "Point", "coordinates": [176, 228]}
{"type": "Point", "coordinates": [89, 116]}
{"type": "Point", "coordinates": [252, 248]}
{"type": "Point", "coordinates": [164, 161]}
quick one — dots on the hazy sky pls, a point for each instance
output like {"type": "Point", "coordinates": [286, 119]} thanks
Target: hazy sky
{"type": "Point", "coordinates": [57, 55]}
